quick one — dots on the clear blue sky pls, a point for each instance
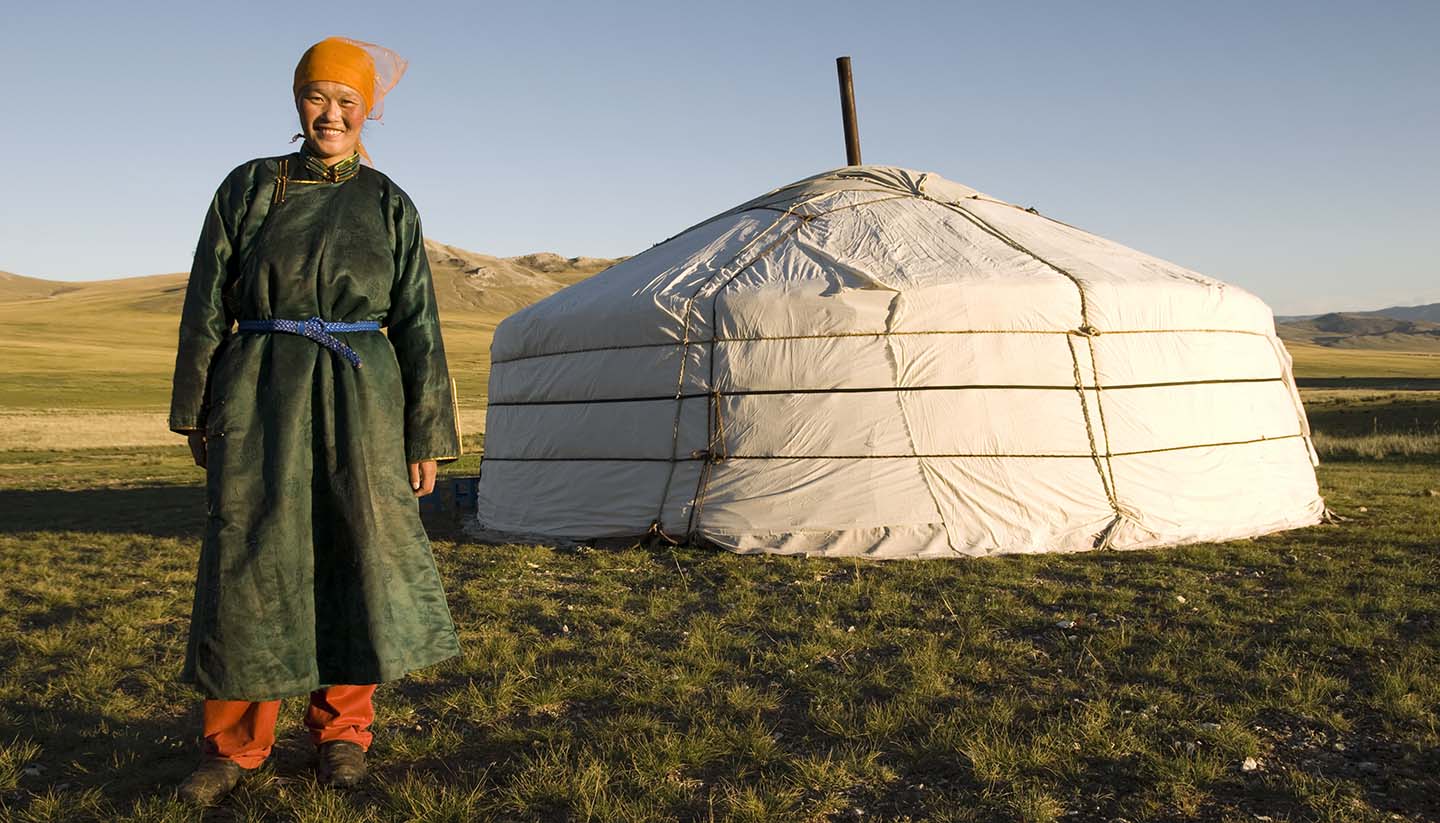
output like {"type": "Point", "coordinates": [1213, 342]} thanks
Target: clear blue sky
{"type": "Point", "coordinates": [1291, 148]}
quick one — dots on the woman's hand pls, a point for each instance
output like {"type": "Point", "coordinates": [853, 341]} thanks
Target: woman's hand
{"type": "Point", "coordinates": [422, 477]}
{"type": "Point", "coordinates": [197, 447]}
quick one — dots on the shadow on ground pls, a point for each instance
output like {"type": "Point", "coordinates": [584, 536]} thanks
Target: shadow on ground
{"type": "Point", "coordinates": [158, 511]}
{"type": "Point", "coordinates": [1373, 383]}
{"type": "Point", "coordinates": [163, 511]}
{"type": "Point", "coordinates": [1398, 415]}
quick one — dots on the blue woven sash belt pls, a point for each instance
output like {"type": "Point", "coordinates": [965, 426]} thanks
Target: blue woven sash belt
{"type": "Point", "coordinates": [317, 330]}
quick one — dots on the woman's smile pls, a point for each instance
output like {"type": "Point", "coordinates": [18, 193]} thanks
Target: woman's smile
{"type": "Point", "coordinates": [332, 115]}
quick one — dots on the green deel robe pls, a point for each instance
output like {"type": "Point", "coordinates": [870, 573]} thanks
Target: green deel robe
{"type": "Point", "coordinates": [315, 568]}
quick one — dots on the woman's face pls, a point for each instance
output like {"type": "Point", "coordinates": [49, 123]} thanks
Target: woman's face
{"type": "Point", "coordinates": [331, 115]}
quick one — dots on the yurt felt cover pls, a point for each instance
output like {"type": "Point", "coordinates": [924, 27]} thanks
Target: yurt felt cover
{"type": "Point", "coordinates": [876, 361]}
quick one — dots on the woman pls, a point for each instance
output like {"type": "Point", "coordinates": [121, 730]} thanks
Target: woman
{"type": "Point", "coordinates": [316, 575]}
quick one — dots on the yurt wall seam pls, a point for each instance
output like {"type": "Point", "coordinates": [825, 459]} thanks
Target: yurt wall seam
{"type": "Point", "coordinates": [760, 203]}
{"type": "Point", "coordinates": [845, 207]}
{"type": "Point", "coordinates": [985, 226]}
{"type": "Point", "coordinates": [712, 408]}
{"type": "Point", "coordinates": [1104, 428]}
{"type": "Point", "coordinates": [712, 413]}
{"type": "Point", "coordinates": [1104, 466]}
{"type": "Point", "coordinates": [873, 389]}
{"type": "Point", "coordinates": [895, 372]}
{"type": "Point", "coordinates": [840, 335]}
{"type": "Point", "coordinates": [657, 527]}
{"type": "Point", "coordinates": [1282, 358]}
{"type": "Point", "coordinates": [980, 455]}
{"type": "Point", "coordinates": [588, 349]}
{"type": "Point", "coordinates": [937, 456]}
{"type": "Point", "coordinates": [1089, 428]}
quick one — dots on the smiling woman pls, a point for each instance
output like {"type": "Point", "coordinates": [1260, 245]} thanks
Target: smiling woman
{"type": "Point", "coordinates": [339, 83]}
{"type": "Point", "coordinates": [332, 115]}
{"type": "Point", "coordinates": [317, 433]}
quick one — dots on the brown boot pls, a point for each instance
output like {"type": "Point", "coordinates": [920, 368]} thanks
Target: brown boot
{"type": "Point", "coordinates": [211, 781]}
{"type": "Point", "coordinates": [342, 764]}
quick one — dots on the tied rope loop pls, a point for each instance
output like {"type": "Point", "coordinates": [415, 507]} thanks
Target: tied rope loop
{"type": "Point", "coordinates": [316, 329]}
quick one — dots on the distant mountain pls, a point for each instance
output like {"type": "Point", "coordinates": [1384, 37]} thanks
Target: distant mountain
{"type": "Point", "coordinates": [1362, 330]}
{"type": "Point", "coordinates": [467, 281]}
{"type": "Point", "coordinates": [1428, 313]}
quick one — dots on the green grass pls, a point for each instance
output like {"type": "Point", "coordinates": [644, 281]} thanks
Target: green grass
{"type": "Point", "coordinates": [1359, 425]}
{"type": "Point", "coordinates": [639, 683]}
{"type": "Point", "coordinates": [1324, 361]}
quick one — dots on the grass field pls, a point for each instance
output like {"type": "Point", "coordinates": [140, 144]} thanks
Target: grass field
{"type": "Point", "coordinates": [1323, 361]}
{"type": "Point", "coordinates": [110, 345]}
{"type": "Point", "coordinates": [684, 684]}
{"type": "Point", "coordinates": [113, 357]}
{"type": "Point", "coordinates": [652, 684]}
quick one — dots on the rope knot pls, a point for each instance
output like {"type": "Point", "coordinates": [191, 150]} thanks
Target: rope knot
{"type": "Point", "coordinates": [313, 328]}
{"type": "Point", "coordinates": [1087, 330]}
{"type": "Point", "coordinates": [317, 329]}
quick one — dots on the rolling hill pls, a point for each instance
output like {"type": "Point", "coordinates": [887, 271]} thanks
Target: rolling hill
{"type": "Point", "coordinates": [1428, 313]}
{"type": "Point", "coordinates": [465, 282]}
{"type": "Point", "coordinates": [1345, 330]}
{"type": "Point", "coordinates": [16, 287]}
{"type": "Point", "coordinates": [1362, 345]}
{"type": "Point", "coordinates": [110, 344]}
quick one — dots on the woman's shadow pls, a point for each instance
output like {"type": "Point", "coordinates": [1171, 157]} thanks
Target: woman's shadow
{"type": "Point", "coordinates": [159, 511]}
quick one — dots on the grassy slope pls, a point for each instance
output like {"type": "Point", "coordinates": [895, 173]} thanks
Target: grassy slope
{"type": "Point", "coordinates": [1324, 361]}
{"type": "Point", "coordinates": [635, 684]}
{"type": "Point", "coordinates": [110, 345]}
{"type": "Point", "coordinates": [96, 346]}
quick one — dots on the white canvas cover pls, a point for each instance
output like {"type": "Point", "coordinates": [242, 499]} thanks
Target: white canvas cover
{"type": "Point", "coordinates": [880, 362]}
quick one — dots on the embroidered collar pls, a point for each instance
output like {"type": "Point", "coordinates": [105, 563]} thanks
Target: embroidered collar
{"type": "Point", "coordinates": [338, 173]}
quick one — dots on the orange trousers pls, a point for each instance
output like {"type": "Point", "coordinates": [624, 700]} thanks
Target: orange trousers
{"type": "Point", "coordinates": [244, 731]}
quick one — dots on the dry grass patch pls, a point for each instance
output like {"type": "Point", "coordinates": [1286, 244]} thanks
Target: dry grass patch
{"type": "Point", "coordinates": [65, 430]}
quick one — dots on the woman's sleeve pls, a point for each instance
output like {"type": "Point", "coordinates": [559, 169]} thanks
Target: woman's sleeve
{"type": "Point", "coordinates": [432, 431]}
{"type": "Point", "coordinates": [204, 321]}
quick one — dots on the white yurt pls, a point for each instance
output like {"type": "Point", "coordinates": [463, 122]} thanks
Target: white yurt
{"type": "Point", "coordinates": [880, 362]}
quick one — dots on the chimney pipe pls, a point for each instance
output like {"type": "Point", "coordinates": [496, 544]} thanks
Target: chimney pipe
{"type": "Point", "coordinates": [847, 111]}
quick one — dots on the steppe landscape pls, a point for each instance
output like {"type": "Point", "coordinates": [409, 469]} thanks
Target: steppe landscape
{"type": "Point", "coordinates": [1292, 677]}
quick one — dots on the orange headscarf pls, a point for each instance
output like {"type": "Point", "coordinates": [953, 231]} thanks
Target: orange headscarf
{"type": "Point", "coordinates": [365, 67]}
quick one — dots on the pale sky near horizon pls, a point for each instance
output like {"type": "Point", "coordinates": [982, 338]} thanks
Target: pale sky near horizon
{"type": "Point", "coordinates": [1287, 147]}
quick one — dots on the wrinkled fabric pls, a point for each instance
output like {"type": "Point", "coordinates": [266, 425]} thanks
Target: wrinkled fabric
{"type": "Point", "coordinates": [315, 568]}
{"type": "Point", "coordinates": [879, 362]}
